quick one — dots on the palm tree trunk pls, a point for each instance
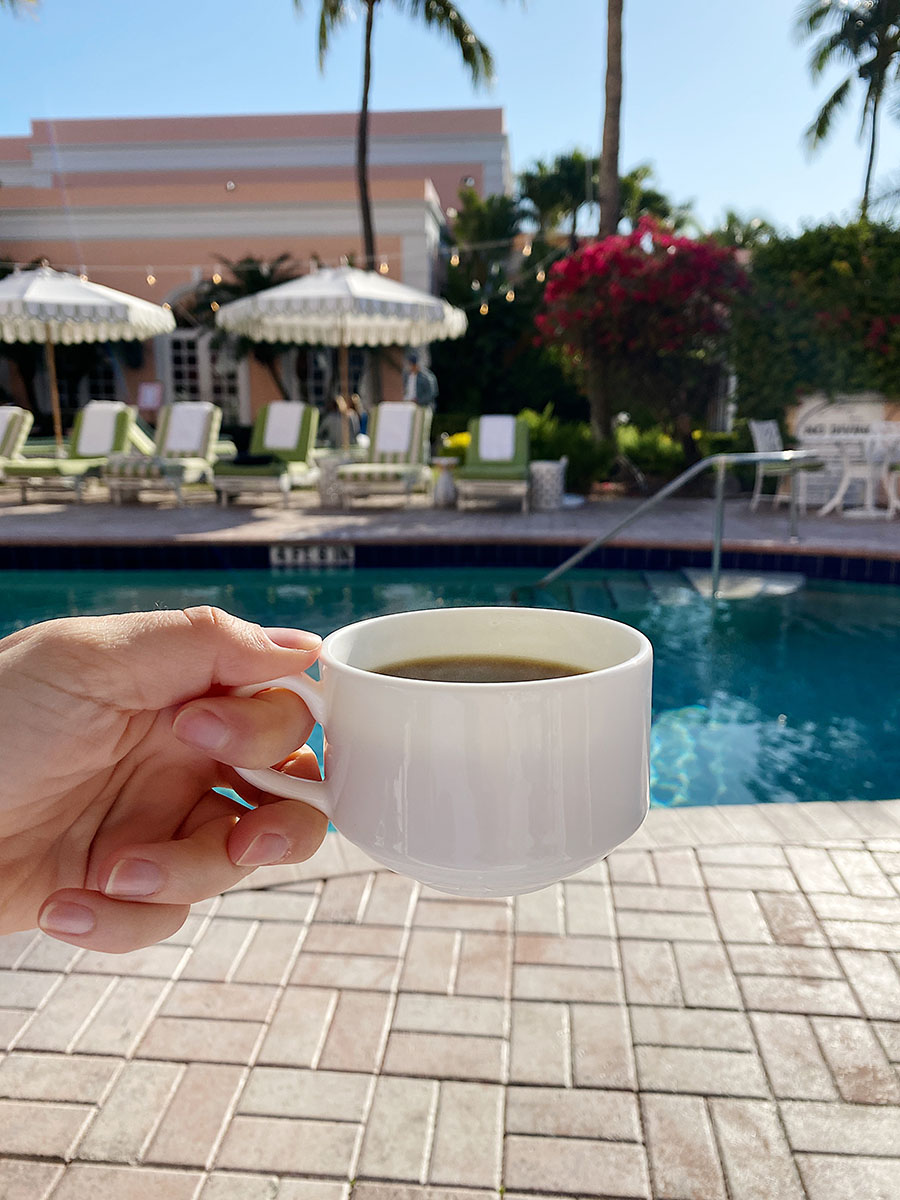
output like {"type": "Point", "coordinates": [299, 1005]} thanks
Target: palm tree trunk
{"type": "Point", "coordinates": [870, 165]}
{"type": "Point", "coordinates": [362, 145]}
{"type": "Point", "coordinates": [609, 154]}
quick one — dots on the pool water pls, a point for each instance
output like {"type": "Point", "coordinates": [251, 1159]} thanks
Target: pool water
{"type": "Point", "coordinates": [777, 698]}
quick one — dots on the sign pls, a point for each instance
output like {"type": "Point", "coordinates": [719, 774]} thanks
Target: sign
{"type": "Point", "coordinates": [315, 556]}
{"type": "Point", "coordinates": [822, 416]}
{"type": "Point", "coordinates": [150, 395]}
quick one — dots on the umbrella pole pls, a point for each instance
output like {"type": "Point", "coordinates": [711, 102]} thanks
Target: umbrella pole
{"type": "Point", "coordinates": [344, 385]}
{"type": "Point", "coordinates": [50, 359]}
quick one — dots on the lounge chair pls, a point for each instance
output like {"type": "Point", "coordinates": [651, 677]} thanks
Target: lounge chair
{"type": "Point", "coordinates": [183, 454]}
{"type": "Point", "coordinates": [101, 428]}
{"type": "Point", "coordinates": [285, 434]}
{"type": "Point", "coordinates": [496, 463]}
{"type": "Point", "coordinates": [398, 450]}
{"type": "Point", "coordinates": [14, 426]}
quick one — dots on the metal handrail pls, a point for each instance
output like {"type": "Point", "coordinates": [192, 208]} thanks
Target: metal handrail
{"type": "Point", "coordinates": [803, 458]}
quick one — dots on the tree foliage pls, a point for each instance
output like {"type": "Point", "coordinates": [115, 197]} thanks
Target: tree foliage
{"type": "Point", "coordinates": [865, 33]}
{"type": "Point", "coordinates": [443, 17]}
{"type": "Point", "coordinates": [823, 315]}
{"type": "Point", "coordinates": [248, 275]}
{"type": "Point", "coordinates": [643, 316]}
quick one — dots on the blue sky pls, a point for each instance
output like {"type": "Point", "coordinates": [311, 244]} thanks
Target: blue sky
{"type": "Point", "coordinates": [717, 104]}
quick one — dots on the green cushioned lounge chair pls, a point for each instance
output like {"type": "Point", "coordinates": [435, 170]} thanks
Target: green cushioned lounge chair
{"type": "Point", "coordinates": [397, 462]}
{"type": "Point", "coordinates": [285, 432]}
{"type": "Point", "coordinates": [101, 428]}
{"type": "Point", "coordinates": [496, 464]}
{"type": "Point", "coordinates": [183, 453]}
{"type": "Point", "coordinates": [14, 426]}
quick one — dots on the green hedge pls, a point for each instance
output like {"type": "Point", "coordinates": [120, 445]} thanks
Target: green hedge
{"type": "Point", "coordinates": [823, 314]}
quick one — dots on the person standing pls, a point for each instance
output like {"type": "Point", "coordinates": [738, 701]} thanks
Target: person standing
{"type": "Point", "coordinates": [419, 384]}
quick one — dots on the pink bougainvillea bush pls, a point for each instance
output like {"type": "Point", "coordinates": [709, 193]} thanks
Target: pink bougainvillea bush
{"type": "Point", "coordinates": [642, 314]}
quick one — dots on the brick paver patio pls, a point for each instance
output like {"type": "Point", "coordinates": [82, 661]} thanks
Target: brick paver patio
{"type": "Point", "coordinates": [713, 1014]}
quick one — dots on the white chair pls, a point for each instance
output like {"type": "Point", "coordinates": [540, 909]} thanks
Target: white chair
{"type": "Point", "coordinates": [767, 440]}
{"type": "Point", "coordinates": [397, 455]}
{"type": "Point", "coordinates": [102, 428]}
{"type": "Point", "coordinates": [14, 426]}
{"type": "Point", "coordinates": [184, 453]}
{"type": "Point", "coordinates": [496, 466]}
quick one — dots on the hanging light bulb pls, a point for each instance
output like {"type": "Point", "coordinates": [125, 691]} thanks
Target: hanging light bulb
{"type": "Point", "coordinates": [83, 277]}
{"type": "Point", "coordinates": [510, 295]}
{"type": "Point", "coordinates": [167, 306]}
{"type": "Point", "coordinates": [151, 278]}
{"type": "Point", "coordinates": [483, 310]}
{"type": "Point", "coordinates": [217, 278]}
{"type": "Point", "coordinates": [214, 306]}
{"type": "Point", "coordinates": [476, 284]}
{"type": "Point", "coordinates": [541, 275]}
{"type": "Point", "coordinates": [454, 259]}
{"type": "Point", "coordinates": [526, 250]}
{"type": "Point", "coordinates": [384, 268]}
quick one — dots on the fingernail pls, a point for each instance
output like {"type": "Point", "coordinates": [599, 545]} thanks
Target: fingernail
{"type": "Point", "coordinates": [65, 917]}
{"type": "Point", "coordinates": [134, 877]}
{"type": "Point", "coordinates": [199, 728]}
{"type": "Point", "coordinates": [264, 851]}
{"type": "Point", "coordinates": [294, 639]}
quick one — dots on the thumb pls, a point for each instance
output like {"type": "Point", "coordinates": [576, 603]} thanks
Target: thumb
{"type": "Point", "coordinates": [157, 659]}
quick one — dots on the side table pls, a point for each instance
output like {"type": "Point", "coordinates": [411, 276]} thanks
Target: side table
{"type": "Point", "coordinates": [444, 488]}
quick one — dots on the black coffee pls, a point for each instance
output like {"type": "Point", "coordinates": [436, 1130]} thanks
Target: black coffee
{"type": "Point", "coordinates": [479, 668]}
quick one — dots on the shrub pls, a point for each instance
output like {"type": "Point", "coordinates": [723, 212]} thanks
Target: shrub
{"type": "Point", "coordinates": [589, 460]}
{"type": "Point", "coordinates": [652, 451]}
{"type": "Point", "coordinates": [646, 313]}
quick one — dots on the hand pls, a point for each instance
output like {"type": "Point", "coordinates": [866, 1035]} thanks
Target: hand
{"type": "Point", "coordinates": [113, 732]}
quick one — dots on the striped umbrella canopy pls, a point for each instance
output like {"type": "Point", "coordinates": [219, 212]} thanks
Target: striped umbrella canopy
{"type": "Point", "coordinates": [343, 306]}
{"type": "Point", "coordinates": [56, 308]}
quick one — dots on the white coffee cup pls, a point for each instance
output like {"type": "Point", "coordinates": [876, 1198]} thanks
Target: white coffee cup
{"type": "Point", "coordinates": [480, 789]}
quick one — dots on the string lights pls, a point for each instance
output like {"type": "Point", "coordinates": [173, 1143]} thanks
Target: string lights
{"type": "Point", "coordinates": [452, 254]}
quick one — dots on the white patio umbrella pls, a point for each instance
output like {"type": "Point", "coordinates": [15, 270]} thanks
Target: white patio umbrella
{"type": "Point", "coordinates": [56, 308]}
{"type": "Point", "coordinates": [343, 306]}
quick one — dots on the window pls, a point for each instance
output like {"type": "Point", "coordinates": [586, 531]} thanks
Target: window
{"type": "Point", "coordinates": [191, 368]}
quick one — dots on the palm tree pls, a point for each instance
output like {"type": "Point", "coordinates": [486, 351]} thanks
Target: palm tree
{"type": "Point", "coordinates": [743, 233]}
{"type": "Point", "coordinates": [540, 188]}
{"type": "Point", "coordinates": [609, 150]}
{"type": "Point", "coordinates": [249, 275]}
{"type": "Point", "coordinates": [865, 33]}
{"type": "Point", "coordinates": [441, 15]}
{"type": "Point", "coordinates": [639, 198]}
{"type": "Point", "coordinates": [575, 179]}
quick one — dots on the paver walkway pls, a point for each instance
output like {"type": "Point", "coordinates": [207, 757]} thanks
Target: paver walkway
{"type": "Point", "coordinates": [674, 522]}
{"type": "Point", "coordinates": [712, 1014]}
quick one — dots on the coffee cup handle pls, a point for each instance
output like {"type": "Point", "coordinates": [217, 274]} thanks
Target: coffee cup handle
{"type": "Point", "coordinates": [311, 791]}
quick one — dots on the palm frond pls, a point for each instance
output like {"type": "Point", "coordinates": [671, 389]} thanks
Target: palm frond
{"type": "Point", "coordinates": [331, 14]}
{"type": "Point", "coordinates": [810, 17]}
{"type": "Point", "coordinates": [444, 16]}
{"type": "Point", "coordinates": [822, 124]}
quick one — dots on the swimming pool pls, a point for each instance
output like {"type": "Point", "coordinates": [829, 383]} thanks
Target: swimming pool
{"type": "Point", "coordinates": [777, 698]}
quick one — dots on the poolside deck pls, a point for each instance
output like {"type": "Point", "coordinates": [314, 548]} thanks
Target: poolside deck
{"type": "Point", "coordinates": [675, 522]}
{"type": "Point", "coordinates": [711, 1014]}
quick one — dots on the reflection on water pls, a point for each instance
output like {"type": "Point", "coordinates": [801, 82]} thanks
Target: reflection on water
{"type": "Point", "coordinates": [789, 697]}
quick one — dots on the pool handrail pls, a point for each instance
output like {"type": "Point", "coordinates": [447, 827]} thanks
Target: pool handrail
{"type": "Point", "coordinates": [803, 459]}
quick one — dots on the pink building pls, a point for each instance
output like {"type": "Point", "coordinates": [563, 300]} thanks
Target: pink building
{"type": "Point", "coordinates": [153, 205]}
